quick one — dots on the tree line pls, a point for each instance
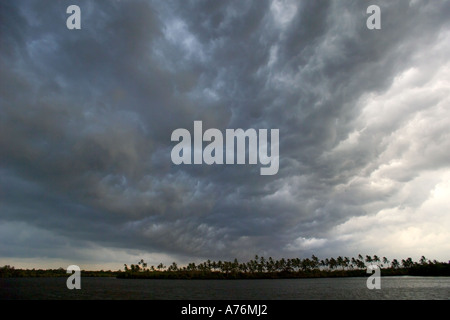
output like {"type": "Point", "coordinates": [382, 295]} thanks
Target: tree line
{"type": "Point", "coordinates": [8, 271]}
{"type": "Point", "coordinates": [273, 268]}
{"type": "Point", "coordinates": [257, 268]}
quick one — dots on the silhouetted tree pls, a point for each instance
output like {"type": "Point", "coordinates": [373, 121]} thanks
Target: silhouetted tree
{"type": "Point", "coordinates": [376, 259]}
{"type": "Point", "coordinates": [423, 260]}
{"type": "Point", "coordinates": [340, 262]}
{"type": "Point", "coordinates": [332, 263]}
{"type": "Point", "coordinates": [346, 262]}
{"type": "Point", "coordinates": [270, 265]}
{"type": "Point", "coordinates": [353, 263]}
{"type": "Point", "coordinates": [173, 267]}
{"type": "Point", "coordinates": [160, 267]}
{"type": "Point", "coordinates": [314, 262]}
{"type": "Point", "coordinates": [408, 263]}
{"type": "Point", "coordinates": [262, 264]}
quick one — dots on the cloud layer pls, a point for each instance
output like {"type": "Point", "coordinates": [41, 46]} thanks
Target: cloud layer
{"type": "Point", "coordinates": [86, 118]}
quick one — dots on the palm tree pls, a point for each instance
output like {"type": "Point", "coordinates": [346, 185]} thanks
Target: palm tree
{"type": "Point", "coordinates": [235, 265]}
{"type": "Point", "coordinates": [160, 266]}
{"type": "Point", "coordinates": [255, 262]}
{"type": "Point", "coordinates": [173, 267]}
{"type": "Point", "coordinates": [423, 260]}
{"type": "Point", "coordinates": [346, 262]}
{"type": "Point", "coordinates": [376, 259]}
{"type": "Point", "coordinates": [395, 264]}
{"type": "Point", "coordinates": [408, 263]}
{"type": "Point", "coordinates": [315, 262]}
{"type": "Point", "coordinates": [243, 267]}
{"type": "Point", "coordinates": [353, 263]}
{"type": "Point", "coordinates": [340, 262]}
{"type": "Point", "coordinates": [192, 266]}
{"type": "Point", "coordinates": [288, 265]}
{"type": "Point", "coordinates": [332, 263]}
{"type": "Point", "coordinates": [296, 264]}
{"type": "Point", "coordinates": [270, 264]}
{"type": "Point", "coordinates": [385, 261]}
{"type": "Point", "coordinates": [250, 266]}
{"type": "Point", "coordinates": [360, 264]}
{"type": "Point", "coordinates": [305, 264]}
{"type": "Point", "coordinates": [282, 264]}
{"type": "Point", "coordinates": [369, 259]}
{"type": "Point", "coordinates": [262, 264]}
{"type": "Point", "coordinates": [327, 263]}
{"type": "Point", "coordinates": [227, 266]}
{"type": "Point", "coordinates": [141, 263]}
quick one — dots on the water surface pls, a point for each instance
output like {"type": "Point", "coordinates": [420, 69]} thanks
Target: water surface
{"type": "Point", "coordinates": [396, 288]}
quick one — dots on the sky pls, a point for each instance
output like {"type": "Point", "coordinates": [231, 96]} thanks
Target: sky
{"type": "Point", "coordinates": [86, 118]}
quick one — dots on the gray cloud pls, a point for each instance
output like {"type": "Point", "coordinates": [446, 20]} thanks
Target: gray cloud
{"type": "Point", "coordinates": [86, 118]}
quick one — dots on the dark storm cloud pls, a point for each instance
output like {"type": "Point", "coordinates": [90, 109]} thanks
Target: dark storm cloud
{"type": "Point", "coordinates": [87, 115]}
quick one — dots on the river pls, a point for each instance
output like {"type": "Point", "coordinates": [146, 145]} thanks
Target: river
{"type": "Point", "coordinates": [392, 288]}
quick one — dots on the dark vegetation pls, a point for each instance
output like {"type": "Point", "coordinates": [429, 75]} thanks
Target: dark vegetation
{"type": "Point", "coordinates": [11, 272]}
{"type": "Point", "coordinates": [257, 268]}
{"type": "Point", "coordinates": [262, 268]}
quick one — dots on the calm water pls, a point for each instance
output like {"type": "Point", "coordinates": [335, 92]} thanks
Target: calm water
{"type": "Point", "coordinates": [334, 288]}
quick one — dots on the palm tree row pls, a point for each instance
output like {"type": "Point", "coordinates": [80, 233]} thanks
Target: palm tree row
{"type": "Point", "coordinates": [270, 265]}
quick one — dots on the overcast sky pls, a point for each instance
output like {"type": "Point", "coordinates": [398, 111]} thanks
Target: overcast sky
{"type": "Point", "coordinates": [86, 118]}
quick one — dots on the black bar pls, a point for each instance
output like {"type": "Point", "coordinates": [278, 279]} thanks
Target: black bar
{"type": "Point", "coordinates": [233, 309]}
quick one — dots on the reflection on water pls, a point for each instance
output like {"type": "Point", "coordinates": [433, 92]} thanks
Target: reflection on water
{"type": "Point", "coordinates": [285, 289]}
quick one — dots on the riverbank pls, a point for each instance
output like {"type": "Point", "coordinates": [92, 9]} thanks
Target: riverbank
{"type": "Point", "coordinates": [435, 270]}
{"type": "Point", "coordinates": [432, 270]}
